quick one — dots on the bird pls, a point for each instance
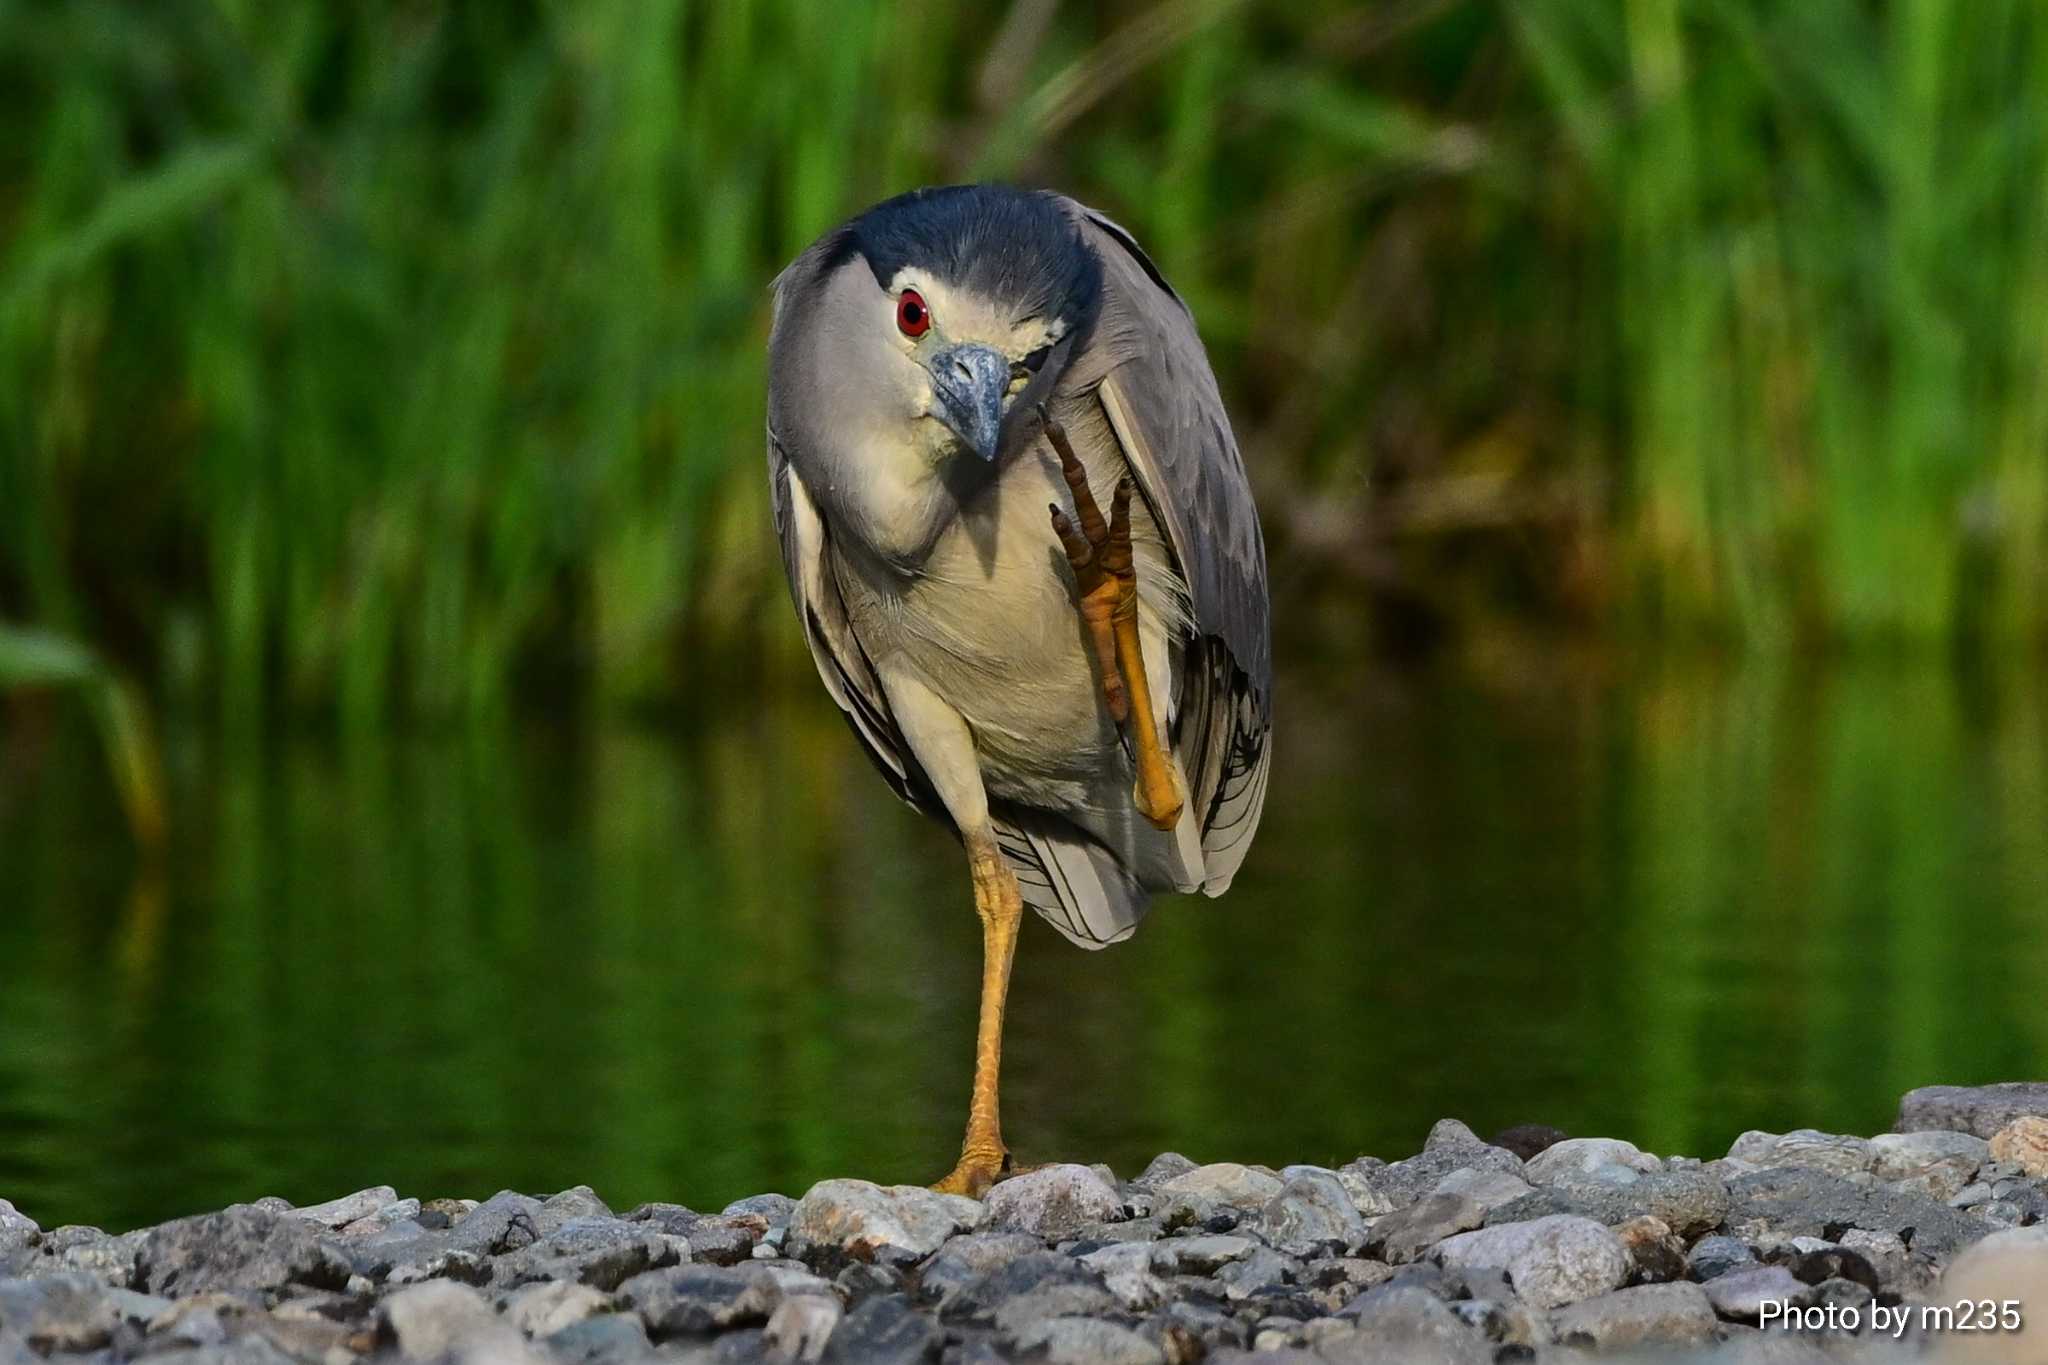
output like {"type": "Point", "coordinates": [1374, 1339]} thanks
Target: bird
{"type": "Point", "coordinates": [959, 379]}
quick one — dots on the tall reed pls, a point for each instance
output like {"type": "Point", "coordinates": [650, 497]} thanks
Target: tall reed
{"type": "Point", "coordinates": [394, 358]}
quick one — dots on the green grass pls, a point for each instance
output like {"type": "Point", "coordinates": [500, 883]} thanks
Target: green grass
{"type": "Point", "coordinates": [395, 359]}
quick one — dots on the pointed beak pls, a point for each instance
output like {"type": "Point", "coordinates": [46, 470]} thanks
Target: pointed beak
{"type": "Point", "coordinates": [970, 381]}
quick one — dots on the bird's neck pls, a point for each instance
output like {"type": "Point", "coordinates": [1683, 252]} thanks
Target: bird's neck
{"type": "Point", "coordinates": [898, 512]}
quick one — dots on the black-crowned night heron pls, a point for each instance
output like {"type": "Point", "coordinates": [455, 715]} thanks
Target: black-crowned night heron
{"type": "Point", "coordinates": [1086, 700]}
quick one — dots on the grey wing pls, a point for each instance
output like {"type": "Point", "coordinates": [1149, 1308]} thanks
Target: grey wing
{"type": "Point", "coordinates": [842, 664]}
{"type": "Point", "coordinates": [1159, 394]}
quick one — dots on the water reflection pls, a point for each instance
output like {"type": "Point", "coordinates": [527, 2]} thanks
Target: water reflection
{"type": "Point", "coordinates": [696, 965]}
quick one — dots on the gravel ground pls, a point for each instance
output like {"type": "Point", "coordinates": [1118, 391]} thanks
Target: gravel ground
{"type": "Point", "coordinates": [1531, 1247]}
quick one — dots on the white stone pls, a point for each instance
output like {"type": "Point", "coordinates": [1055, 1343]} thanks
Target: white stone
{"type": "Point", "coordinates": [857, 1215]}
{"type": "Point", "coordinates": [1550, 1261]}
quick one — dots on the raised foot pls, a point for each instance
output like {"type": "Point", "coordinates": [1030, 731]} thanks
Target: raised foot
{"type": "Point", "coordinates": [1106, 592]}
{"type": "Point", "coordinates": [974, 1175]}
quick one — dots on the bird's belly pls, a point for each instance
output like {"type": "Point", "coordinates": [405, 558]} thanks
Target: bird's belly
{"type": "Point", "coordinates": [990, 626]}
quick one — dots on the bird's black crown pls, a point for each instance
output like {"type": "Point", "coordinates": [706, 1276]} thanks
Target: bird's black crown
{"type": "Point", "coordinates": [1019, 247]}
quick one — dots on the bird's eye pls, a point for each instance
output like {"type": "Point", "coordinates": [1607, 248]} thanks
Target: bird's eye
{"type": "Point", "coordinates": [913, 319]}
{"type": "Point", "coordinates": [1036, 360]}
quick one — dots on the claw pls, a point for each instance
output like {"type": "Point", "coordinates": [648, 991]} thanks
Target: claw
{"type": "Point", "coordinates": [1106, 591]}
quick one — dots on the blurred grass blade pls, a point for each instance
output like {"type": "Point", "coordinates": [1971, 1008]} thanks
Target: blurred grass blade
{"type": "Point", "coordinates": [43, 658]}
{"type": "Point", "coordinates": [188, 180]}
{"type": "Point", "coordinates": [32, 658]}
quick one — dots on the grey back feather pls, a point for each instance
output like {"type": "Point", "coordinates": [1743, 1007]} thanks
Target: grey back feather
{"type": "Point", "coordinates": [1147, 364]}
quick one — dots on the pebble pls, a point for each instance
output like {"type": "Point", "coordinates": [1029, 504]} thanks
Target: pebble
{"type": "Point", "coordinates": [802, 1325]}
{"type": "Point", "coordinates": [1983, 1110]}
{"type": "Point", "coordinates": [443, 1319]}
{"type": "Point", "coordinates": [1404, 1236]}
{"type": "Point", "coordinates": [1161, 1169]}
{"type": "Point", "coordinates": [697, 1299]}
{"type": "Point", "coordinates": [17, 1229]}
{"type": "Point", "coordinates": [1938, 1164]}
{"type": "Point", "coordinates": [64, 1312]}
{"type": "Point", "coordinates": [1086, 1341]}
{"type": "Point", "coordinates": [1452, 1148]}
{"type": "Point", "coordinates": [111, 1259]}
{"type": "Point", "coordinates": [602, 1340]}
{"type": "Point", "coordinates": [964, 1260]}
{"type": "Point", "coordinates": [381, 1220]}
{"type": "Point", "coordinates": [505, 1222]}
{"type": "Point", "coordinates": [1224, 1182]}
{"type": "Point", "coordinates": [1740, 1295]}
{"type": "Point", "coordinates": [1053, 1202]}
{"type": "Point", "coordinates": [1805, 1149]}
{"type": "Point", "coordinates": [1712, 1257]}
{"type": "Point", "coordinates": [338, 1213]}
{"type": "Point", "coordinates": [860, 1218]}
{"type": "Point", "coordinates": [2022, 1143]}
{"type": "Point", "coordinates": [1542, 1248]}
{"type": "Point", "coordinates": [1409, 1325]}
{"type": "Point", "coordinates": [886, 1330]}
{"type": "Point", "coordinates": [1489, 1189]}
{"type": "Point", "coordinates": [1692, 1202]}
{"type": "Point", "coordinates": [1575, 1159]}
{"type": "Point", "coordinates": [241, 1248]}
{"type": "Point", "coordinates": [541, 1310]}
{"type": "Point", "coordinates": [1126, 1271]}
{"type": "Point", "coordinates": [1656, 1253]}
{"type": "Point", "coordinates": [1647, 1315]}
{"type": "Point", "coordinates": [1796, 1202]}
{"type": "Point", "coordinates": [1370, 1187]}
{"type": "Point", "coordinates": [600, 1252]}
{"type": "Point", "coordinates": [1313, 1211]}
{"type": "Point", "coordinates": [1200, 1255]}
{"type": "Point", "coordinates": [1550, 1261]}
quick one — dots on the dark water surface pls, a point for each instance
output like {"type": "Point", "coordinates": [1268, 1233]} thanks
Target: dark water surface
{"type": "Point", "coordinates": [694, 965]}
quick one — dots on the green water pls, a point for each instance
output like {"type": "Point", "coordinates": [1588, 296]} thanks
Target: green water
{"type": "Point", "coordinates": [697, 962]}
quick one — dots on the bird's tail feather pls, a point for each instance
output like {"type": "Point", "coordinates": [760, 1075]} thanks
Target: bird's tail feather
{"type": "Point", "coordinates": [1072, 881]}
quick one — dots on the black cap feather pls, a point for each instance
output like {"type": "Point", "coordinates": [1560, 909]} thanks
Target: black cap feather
{"type": "Point", "coordinates": [1017, 247]}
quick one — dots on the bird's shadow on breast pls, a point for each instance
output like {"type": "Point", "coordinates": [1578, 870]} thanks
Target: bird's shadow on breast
{"type": "Point", "coordinates": [972, 487]}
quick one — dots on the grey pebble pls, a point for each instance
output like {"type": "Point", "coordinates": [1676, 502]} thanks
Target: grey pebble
{"type": "Point", "coordinates": [886, 1330]}
{"type": "Point", "coordinates": [1086, 1341]}
{"type": "Point", "coordinates": [1551, 1261]}
{"type": "Point", "coordinates": [339, 1213]}
{"type": "Point", "coordinates": [1647, 1315]}
{"type": "Point", "coordinates": [237, 1249]}
{"type": "Point", "coordinates": [1740, 1295]}
{"type": "Point", "coordinates": [62, 1312]}
{"type": "Point", "coordinates": [1053, 1202]}
{"type": "Point", "coordinates": [1981, 1110]}
{"type": "Point", "coordinates": [1403, 1236]}
{"type": "Point", "coordinates": [1712, 1257]}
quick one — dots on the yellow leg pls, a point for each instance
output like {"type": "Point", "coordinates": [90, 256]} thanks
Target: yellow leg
{"type": "Point", "coordinates": [1106, 583]}
{"type": "Point", "coordinates": [983, 1157]}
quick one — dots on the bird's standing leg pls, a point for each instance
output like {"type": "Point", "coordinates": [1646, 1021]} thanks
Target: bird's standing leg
{"type": "Point", "coordinates": [983, 1157]}
{"type": "Point", "coordinates": [1106, 587]}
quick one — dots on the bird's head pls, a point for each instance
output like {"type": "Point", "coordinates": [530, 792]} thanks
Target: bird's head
{"type": "Point", "coordinates": [934, 316]}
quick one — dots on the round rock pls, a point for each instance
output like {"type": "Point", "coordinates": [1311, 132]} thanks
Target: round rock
{"type": "Point", "coordinates": [1550, 1261]}
{"type": "Point", "coordinates": [1224, 1182]}
{"type": "Point", "coordinates": [860, 1218]}
{"type": "Point", "coordinates": [1052, 1202]}
{"type": "Point", "coordinates": [2023, 1142]}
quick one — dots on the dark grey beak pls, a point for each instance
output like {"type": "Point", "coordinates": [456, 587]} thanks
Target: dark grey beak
{"type": "Point", "coordinates": [970, 381]}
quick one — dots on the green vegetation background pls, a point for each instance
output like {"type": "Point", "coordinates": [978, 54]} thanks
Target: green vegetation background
{"type": "Point", "coordinates": [372, 363]}
{"type": "Point", "coordinates": [400, 357]}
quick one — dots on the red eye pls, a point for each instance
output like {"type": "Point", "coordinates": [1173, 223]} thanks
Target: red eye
{"type": "Point", "coordinates": [912, 317]}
